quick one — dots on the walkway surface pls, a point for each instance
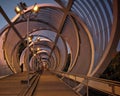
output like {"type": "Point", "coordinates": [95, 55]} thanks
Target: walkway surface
{"type": "Point", "coordinates": [11, 85]}
{"type": "Point", "coordinates": [50, 85]}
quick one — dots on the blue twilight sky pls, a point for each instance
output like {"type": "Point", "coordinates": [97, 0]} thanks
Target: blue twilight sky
{"type": "Point", "coordinates": [9, 5]}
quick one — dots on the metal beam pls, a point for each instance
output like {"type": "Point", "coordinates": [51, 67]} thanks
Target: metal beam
{"type": "Point", "coordinates": [9, 22]}
{"type": "Point", "coordinates": [60, 3]}
{"type": "Point", "coordinates": [66, 10]}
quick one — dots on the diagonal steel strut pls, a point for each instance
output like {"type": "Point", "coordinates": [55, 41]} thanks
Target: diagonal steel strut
{"type": "Point", "coordinates": [9, 22]}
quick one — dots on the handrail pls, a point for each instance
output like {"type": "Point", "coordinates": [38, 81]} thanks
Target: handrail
{"type": "Point", "coordinates": [91, 78]}
{"type": "Point", "coordinates": [108, 86]}
{"type": "Point", "coordinates": [2, 77]}
{"type": "Point", "coordinates": [28, 89]}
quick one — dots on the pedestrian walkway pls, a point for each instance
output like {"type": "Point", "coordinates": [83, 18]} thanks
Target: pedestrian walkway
{"type": "Point", "coordinates": [17, 84]}
{"type": "Point", "coordinates": [50, 85]}
{"type": "Point", "coordinates": [11, 85]}
{"type": "Point", "coordinates": [47, 85]}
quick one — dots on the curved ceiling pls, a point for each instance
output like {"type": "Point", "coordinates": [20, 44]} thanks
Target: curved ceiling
{"type": "Point", "coordinates": [79, 28]}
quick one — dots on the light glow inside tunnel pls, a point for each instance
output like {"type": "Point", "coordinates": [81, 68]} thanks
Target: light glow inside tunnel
{"type": "Point", "coordinates": [70, 37]}
{"type": "Point", "coordinates": [81, 28]}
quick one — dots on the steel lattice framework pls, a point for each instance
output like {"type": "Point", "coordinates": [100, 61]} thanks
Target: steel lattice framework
{"type": "Point", "coordinates": [86, 29]}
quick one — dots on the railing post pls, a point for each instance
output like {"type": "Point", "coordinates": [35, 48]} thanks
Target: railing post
{"type": "Point", "coordinates": [28, 50]}
{"type": "Point", "coordinates": [87, 86]}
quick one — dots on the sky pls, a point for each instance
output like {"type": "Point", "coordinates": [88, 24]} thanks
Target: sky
{"type": "Point", "coordinates": [9, 6]}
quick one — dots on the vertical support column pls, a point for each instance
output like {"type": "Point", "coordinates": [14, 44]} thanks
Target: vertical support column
{"type": "Point", "coordinates": [87, 86]}
{"type": "Point", "coordinates": [28, 51]}
{"type": "Point", "coordinates": [66, 10]}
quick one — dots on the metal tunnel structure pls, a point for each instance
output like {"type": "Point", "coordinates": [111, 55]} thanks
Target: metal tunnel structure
{"type": "Point", "coordinates": [85, 31]}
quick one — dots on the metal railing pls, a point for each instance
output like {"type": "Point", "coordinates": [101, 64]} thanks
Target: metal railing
{"type": "Point", "coordinates": [103, 85]}
{"type": "Point", "coordinates": [29, 90]}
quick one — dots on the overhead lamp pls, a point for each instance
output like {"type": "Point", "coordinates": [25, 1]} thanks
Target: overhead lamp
{"type": "Point", "coordinates": [35, 8]}
{"type": "Point", "coordinates": [38, 49]}
{"type": "Point", "coordinates": [38, 38]}
{"type": "Point", "coordinates": [21, 6]}
{"type": "Point", "coordinates": [17, 9]}
{"type": "Point", "coordinates": [34, 54]}
{"type": "Point", "coordinates": [29, 39]}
